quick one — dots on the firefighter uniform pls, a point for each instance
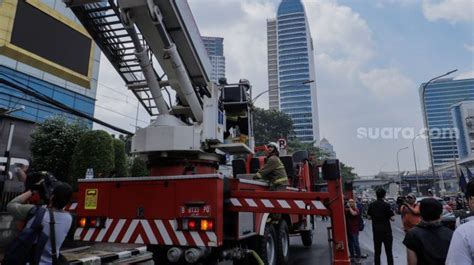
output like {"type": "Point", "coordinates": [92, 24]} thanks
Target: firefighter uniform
{"type": "Point", "coordinates": [274, 172]}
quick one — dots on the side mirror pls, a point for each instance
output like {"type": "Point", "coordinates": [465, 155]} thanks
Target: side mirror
{"type": "Point", "coordinates": [331, 169]}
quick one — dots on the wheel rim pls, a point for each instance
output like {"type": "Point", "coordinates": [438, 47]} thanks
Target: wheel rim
{"type": "Point", "coordinates": [270, 250]}
{"type": "Point", "coordinates": [285, 242]}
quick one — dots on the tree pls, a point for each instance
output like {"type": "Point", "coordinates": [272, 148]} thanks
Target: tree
{"type": "Point", "coordinates": [53, 143]}
{"type": "Point", "coordinates": [120, 158]}
{"type": "Point", "coordinates": [270, 125]}
{"type": "Point", "coordinates": [347, 173]}
{"type": "Point", "coordinates": [94, 150]}
{"type": "Point", "coordinates": [139, 168]}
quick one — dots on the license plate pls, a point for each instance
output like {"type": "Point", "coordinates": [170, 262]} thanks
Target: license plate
{"type": "Point", "coordinates": [195, 211]}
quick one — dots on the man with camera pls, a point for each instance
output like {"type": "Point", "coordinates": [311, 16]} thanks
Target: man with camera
{"type": "Point", "coordinates": [56, 195]}
{"type": "Point", "coordinates": [410, 211]}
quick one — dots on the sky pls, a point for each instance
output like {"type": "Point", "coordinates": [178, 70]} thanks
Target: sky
{"type": "Point", "coordinates": [370, 57]}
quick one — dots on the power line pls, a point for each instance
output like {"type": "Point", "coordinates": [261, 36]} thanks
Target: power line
{"type": "Point", "coordinates": [114, 89]}
{"type": "Point", "coordinates": [32, 92]}
{"type": "Point", "coordinates": [121, 114]}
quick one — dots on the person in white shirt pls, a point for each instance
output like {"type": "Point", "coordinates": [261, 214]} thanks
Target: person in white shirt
{"type": "Point", "coordinates": [461, 249]}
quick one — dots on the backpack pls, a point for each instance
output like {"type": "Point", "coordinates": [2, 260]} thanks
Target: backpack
{"type": "Point", "coordinates": [29, 245]}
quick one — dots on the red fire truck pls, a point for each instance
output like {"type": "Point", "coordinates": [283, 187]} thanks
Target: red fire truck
{"type": "Point", "coordinates": [190, 209]}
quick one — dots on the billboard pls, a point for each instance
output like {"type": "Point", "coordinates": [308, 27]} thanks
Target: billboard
{"type": "Point", "coordinates": [35, 34]}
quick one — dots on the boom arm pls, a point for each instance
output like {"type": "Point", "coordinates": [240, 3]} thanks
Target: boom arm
{"type": "Point", "coordinates": [128, 30]}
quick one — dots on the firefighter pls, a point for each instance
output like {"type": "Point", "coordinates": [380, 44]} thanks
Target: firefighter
{"type": "Point", "coordinates": [273, 171]}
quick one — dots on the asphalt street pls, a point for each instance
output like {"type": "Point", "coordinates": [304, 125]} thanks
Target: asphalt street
{"type": "Point", "coordinates": [319, 253]}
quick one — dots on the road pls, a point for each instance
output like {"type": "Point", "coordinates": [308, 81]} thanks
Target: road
{"type": "Point", "coordinates": [320, 251]}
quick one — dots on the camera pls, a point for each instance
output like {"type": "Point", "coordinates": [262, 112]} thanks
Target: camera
{"type": "Point", "coordinates": [42, 182]}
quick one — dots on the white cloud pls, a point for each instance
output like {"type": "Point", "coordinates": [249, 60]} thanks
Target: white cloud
{"type": "Point", "coordinates": [386, 82]}
{"type": "Point", "coordinates": [465, 75]}
{"type": "Point", "coordinates": [469, 47]}
{"type": "Point", "coordinates": [451, 10]}
{"type": "Point", "coordinates": [339, 31]}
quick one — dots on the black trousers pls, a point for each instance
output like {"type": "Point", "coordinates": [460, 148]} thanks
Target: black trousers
{"type": "Point", "coordinates": [386, 238]}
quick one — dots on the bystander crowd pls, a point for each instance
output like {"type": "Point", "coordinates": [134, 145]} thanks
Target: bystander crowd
{"type": "Point", "coordinates": [461, 250]}
{"type": "Point", "coordinates": [410, 212]}
{"type": "Point", "coordinates": [428, 242]}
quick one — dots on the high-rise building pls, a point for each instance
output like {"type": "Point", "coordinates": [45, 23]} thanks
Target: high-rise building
{"type": "Point", "coordinates": [215, 49]}
{"type": "Point", "coordinates": [439, 96]}
{"type": "Point", "coordinates": [462, 114]}
{"type": "Point", "coordinates": [290, 46]}
{"type": "Point", "coordinates": [272, 62]}
{"type": "Point", "coordinates": [328, 148]}
{"type": "Point", "coordinates": [44, 51]}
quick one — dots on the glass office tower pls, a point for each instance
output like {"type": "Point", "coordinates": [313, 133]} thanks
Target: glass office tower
{"type": "Point", "coordinates": [295, 69]}
{"type": "Point", "coordinates": [439, 98]}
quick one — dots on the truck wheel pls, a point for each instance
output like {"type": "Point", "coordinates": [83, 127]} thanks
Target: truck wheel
{"type": "Point", "coordinates": [159, 255]}
{"type": "Point", "coordinates": [266, 247]}
{"type": "Point", "coordinates": [307, 238]}
{"type": "Point", "coordinates": [283, 243]}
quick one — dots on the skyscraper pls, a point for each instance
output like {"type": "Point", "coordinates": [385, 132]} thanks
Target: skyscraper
{"type": "Point", "coordinates": [463, 121]}
{"type": "Point", "coordinates": [215, 49]}
{"type": "Point", "coordinates": [290, 49]}
{"type": "Point", "coordinates": [328, 148]}
{"type": "Point", "coordinates": [439, 97]}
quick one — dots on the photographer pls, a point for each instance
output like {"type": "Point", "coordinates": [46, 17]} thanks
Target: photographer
{"type": "Point", "coordinates": [410, 211]}
{"type": "Point", "coordinates": [57, 195]}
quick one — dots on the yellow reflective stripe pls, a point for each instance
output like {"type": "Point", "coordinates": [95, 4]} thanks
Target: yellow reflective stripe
{"type": "Point", "coordinates": [279, 180]}
{"type": "Point", "coordinates": [280, 167]}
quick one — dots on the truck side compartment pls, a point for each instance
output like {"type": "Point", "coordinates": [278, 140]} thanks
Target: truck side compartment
{"type": "Point", "coordinates": [174, 211]}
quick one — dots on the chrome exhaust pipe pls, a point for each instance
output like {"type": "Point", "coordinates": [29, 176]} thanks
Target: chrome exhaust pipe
{"type": "Point", "coordinates": [174, 254]}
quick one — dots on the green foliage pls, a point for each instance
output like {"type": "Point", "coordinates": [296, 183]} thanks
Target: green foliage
{"type": "Point", "coordinates": [53, 143]}
{"type": "Point", "coordinates": [120, 158]}
{"type": "Point", "coordinates": [138, 168]}
{"type": "Point", "coordinates": [347, 173]}
{"type": "Point", "coordinates": [94, 150]}
{"type": "Point", "coordinates": [270, 125]}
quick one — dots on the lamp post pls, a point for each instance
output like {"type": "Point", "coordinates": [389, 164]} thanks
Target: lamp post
{"type": "Point", "coordinates": [414, 161]}
{"type": "Point", "coordinates": [398, 167]}
{"type": "Point", "coordinates": [423, 90]}
{"type": "Point", "coordinates": [268, 90]}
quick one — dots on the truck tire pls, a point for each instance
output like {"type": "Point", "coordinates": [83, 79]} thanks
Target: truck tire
{"type": "Point", "coordinates": [283, 243]}
{"type": "Point", "coordinates": [307, 238]}
{"type": "Point", "coordinates": [267, 246]}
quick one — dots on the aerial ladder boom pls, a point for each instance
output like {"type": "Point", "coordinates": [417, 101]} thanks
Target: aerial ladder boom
{"type": "Point", "coordinates": [134, 34]}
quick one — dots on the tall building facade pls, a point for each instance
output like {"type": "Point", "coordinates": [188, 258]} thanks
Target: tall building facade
{"type": "Point", "coordinates": [43, 47]}
{"type": "Point", "coordinates": [272, 62]}
{"type": "Point", "coordinates": [439, 97]}
{"type": "Point", "coordinates": [294, 69]}
{"type": "Point", "coordinates": [215, 49]}
{"type": "Point", "coordinates": [462, 114]}
{"type": "Point", "coordinates": [328, 148]}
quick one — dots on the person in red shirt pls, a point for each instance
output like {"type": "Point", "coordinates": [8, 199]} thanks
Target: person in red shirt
{"type": "Point", "coordinates": [353, 225]}
{"type": "Point", "coordinates": [410, 213]}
